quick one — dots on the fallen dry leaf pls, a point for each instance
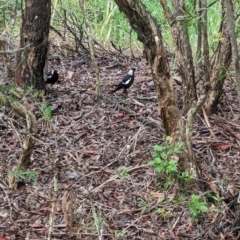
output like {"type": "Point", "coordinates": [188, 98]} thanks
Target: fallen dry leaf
{"type": "Point", "coordinates": [220, 146]}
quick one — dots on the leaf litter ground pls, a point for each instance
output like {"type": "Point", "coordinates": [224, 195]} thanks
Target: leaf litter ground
{"type": "Point", "coordinates": [100, 152]}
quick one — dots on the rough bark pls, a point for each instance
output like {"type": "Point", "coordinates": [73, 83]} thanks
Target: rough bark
{"type": "Point", "coordinates": [177, 21]}
{"type": "Point", "coordinates": [34, 34]}
{"type": "Point", "coordinates": [219, 67]}
{"type": "Point", "coordinates": [233, 38]}
{"type": "Point", "coordinates": [149, 34]}
{"type": "Point", "coordinates": [206, 59]}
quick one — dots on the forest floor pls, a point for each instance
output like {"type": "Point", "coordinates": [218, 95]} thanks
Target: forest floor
{"type": "Point", "coordinates": [99, 151]}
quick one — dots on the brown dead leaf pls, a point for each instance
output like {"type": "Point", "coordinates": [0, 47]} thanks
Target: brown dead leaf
{"type": "Point", "coordinates": [159, 195]}
{"type": "Point", "coordinates": [230, 189]}
{"type": "Point", "coordinates": [162, 196]}
{"type": "Point", "coordinates": [214, 187]}
{"type": "Point", "coordinates": [221, 146]}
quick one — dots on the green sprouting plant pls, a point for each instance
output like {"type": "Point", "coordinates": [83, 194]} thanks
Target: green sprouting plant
{"type": "Point", "coordinates": [98, 220]}
{"type": "Point", "coordinates": [164, 214]}
{"type": "Point", "coordinates": [197, 207]}
{"type": "Point", "coordinates": [215, 198]}
{"type": "Point", "coordinates": [121, 234]}
{"type": "Point", "coordinates": [122, 173]}
{"type": "Point", "coordinates": [46, 112]}
{"type": "Point", "coordinates": [164, 161]}
{"type": "Point", "coordinates": [24, 176]}
{"type": "Point", "coordinates": [179, 199]}
{"type": "Point", "coordinates": [164, 157]}
{"type": "Point", "coordinates": [185, 177]}
{"type": "Point", "coordinates": [143, 206]}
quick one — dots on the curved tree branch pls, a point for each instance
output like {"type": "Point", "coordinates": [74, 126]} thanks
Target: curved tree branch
{"type": "Point", "coordinates": [28, 144]}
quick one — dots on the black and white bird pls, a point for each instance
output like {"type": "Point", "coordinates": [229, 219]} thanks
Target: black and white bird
{"type": "Point", "coordinates": [52, 77]}
{"type": "Point", "coordinates": [126, 82]}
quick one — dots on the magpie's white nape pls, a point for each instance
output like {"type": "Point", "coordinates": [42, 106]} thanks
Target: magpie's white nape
{"type": "Point", "coordinates": [127, 81]}
{"type": "Point", "coordinates": [52, 77]}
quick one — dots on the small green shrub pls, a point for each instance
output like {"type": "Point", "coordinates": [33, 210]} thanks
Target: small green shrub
{"type": "Point", "coordinates": [165, 162]}
{"type": "Point", "coordinates": [121, 235]}
{"type": "Point", "coordinates": [46, 112]}
{"type": "Point", "coordinates": [196, 207]}
{"type": "Point", "coordinates": [27, 176]}
{"type": "Point", "coordinates": [122, 173]}
{"type": "Point", "coordinates": [143, 206]}
{"type": "Point", "coordinates": [163, 158]}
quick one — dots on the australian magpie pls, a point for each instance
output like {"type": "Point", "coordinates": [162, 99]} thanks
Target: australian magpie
{"type": "Point", "coordinates": [127, 81]}
{"type": "Point", "coordinates": [52, 77]}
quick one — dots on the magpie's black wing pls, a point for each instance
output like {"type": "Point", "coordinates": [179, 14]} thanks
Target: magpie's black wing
{"type": "Point", "coordinates": [126, 79]}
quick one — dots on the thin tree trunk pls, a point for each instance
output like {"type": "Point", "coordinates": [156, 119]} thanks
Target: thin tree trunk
{"type": "Point", "coordinates": [177, 21]}
{"type": "Point", "coordinates": [94, 61]}
{"type": "Point", "coordinates": [219, 66]}
{"type": "Point", "coordinates": [199, 40]}
{"type": "Point", "coordinates": [149, 34]}
{"type": "Point", "coordinates": [204, 28]}
{"type": "Point", "coordinates": [29, 141]}
{"type": "Point", "coordinates": [233, 38]}
{"type": "Point", "coordinates": [34, 32]}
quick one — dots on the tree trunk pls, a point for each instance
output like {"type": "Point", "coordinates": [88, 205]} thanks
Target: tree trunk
{"type": "Point", "coordinates": [220, 64]}
{"type": "Point", "coordinates": [149, 34]}
{"type": "Point", "coordinates": [233, 38]}
{"type": "Point", "coordinates": [34, 37]}
{"type": "Point", "coordinates": [177, 21]}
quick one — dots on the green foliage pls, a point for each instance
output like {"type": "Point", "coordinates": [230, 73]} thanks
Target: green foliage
{"type": "Point", "coordinates": [143, 206]}
{"type": "Point", "coordinates": [109, 24]}
{"type": "Point", "coordinates": [163, 158]}
{"type": "Point", "coordinates": [121, 235]}
{"type": "Point", "coordinates": [184, 178]}
{"type": "Point", "coordinates": [98, 220]}
{"type": "Point", "coordinates": [27, 176]}
{"type": "Point", "coordinates": [197, 207]}
{"type": "Point", "coordinates": [122, 173]}
{"type": "Point", "coordinates": [9, 12]}
{"type": "Point", "coordinates": [165, 162]}
{"type": "Point", "coordinates": [46, 112]}
{"type": "Point", "coordinates": [164, 214]}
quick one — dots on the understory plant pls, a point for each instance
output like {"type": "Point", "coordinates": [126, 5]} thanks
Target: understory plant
{"type": "Point", "coordinates": [27, 176]}
{"type": "Point", "coordinates": [46, 111]}
{"type": "Point", "coordinates": [165, 162]}
{"type": "Point", "coordinates": [196, 206]}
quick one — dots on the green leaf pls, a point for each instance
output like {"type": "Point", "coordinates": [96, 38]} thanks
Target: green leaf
{"type": "Point", "coordinates": [151, 163]}
{"type": "Point", "coordinates": [164, 155]}
{"type": "Point", "coordinates": [158, 148]}
{"type": "Point", "coordinates": [157, 160]}
{"type": "Point", "coordinates": [159, 169]}
{"type": "Point", "coordinates": [168, 139]}
{"type": "Point", "coordinates": [203, 208]}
